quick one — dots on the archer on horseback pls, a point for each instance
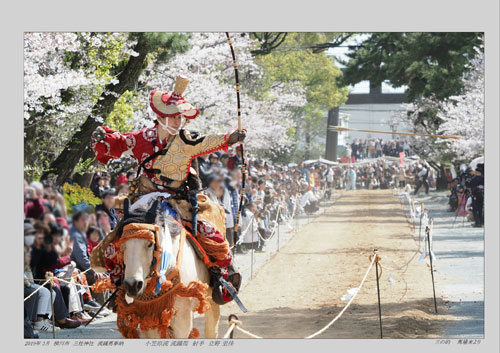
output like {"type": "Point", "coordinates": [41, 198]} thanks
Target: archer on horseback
{"type": "Point", "coordinates": [166, 154]}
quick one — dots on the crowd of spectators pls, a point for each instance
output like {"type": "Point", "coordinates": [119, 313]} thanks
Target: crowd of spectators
{"type": "Point", "coordinates": [273, 193]}
{"type": "Point", "coordinates": [384, 174]}
{"type": "Point", "coordinates": [59, 241]}
{"type": "Point", "coordinates": [375, 148]}
{"type": "Point", "coordinates": [466, 197]}
{"type": "Point", "coordinates": [58, 245]}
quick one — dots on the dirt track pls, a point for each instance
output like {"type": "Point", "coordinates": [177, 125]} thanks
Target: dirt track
{"type": "Point", "coordinates": [298, 291]}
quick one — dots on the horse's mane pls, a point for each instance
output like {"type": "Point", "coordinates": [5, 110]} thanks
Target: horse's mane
{"type": "Point", "coordinates": [141, 215]}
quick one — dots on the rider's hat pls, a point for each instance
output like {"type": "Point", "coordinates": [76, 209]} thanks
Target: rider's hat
{"type": "Point", "coordinates": [173, 104]}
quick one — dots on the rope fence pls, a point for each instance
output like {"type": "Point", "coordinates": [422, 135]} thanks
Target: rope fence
{"type": "Point", "coordinates": [52, 278]}
{"type": "Point", "coordinates": [417, 213]}
{"type": "Point", "coordinates": [236, 324]}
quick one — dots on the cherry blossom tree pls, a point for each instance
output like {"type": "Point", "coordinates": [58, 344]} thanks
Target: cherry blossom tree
{"type": "Point", "coordinates": [463, 115]}
{"type": "Point", "coordinates": [208, 65]}
{"type": "Point", "coordinates": [64, 74]}
{"type": "Point", "coordinates": [68, 76]}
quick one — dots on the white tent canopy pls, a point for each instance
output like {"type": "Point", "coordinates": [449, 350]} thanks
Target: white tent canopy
{"type": "Point", "coordinates": [473, 164]}
{"type": "Point", "coordinates": [320, 160]}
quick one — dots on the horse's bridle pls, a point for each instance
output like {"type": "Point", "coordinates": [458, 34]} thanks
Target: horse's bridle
{"type": "Point", "coordinates": [146, 231]}
{"type": "Point", "coordinates": [150, 232]}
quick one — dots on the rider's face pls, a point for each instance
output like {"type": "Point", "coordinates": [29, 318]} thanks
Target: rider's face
{"type": "Point", "coordinates": [172, 122]}
{"type": "Point", "coordinates": [175, 122]}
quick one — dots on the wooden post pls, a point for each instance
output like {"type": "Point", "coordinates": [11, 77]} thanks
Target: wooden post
{"type": "Point", "coordinates": [432, 269]}
{"type": "Point", "coordinates": [251, 256]}
{"type": "Point", "coordinates": [420, 226]}
{"type": "Point", "coordinates": [278, 220]}
{"type": "Point", "coordinates": [53, 316]}
{"type": "Point", "coordinates": [378, 292]}
{"type": "Point", "coordinates": [229, 319]}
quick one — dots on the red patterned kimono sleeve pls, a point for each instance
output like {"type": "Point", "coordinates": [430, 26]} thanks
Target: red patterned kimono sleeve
{"type": "Point", "coordinates": [112, 146]}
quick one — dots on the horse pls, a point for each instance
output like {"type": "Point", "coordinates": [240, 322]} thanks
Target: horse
{"type": "Point", "coordinates": [138, 260]}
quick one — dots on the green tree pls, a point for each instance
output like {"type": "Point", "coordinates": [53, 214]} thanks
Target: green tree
{"type": "Point", "coordinates": [316, 41]}
{"type": "Point", "coordinates": [161, 47]}
{"type": "Point", "coordinates": [317, 74]}
{"type": "Point", "coordinates": [430, 64]}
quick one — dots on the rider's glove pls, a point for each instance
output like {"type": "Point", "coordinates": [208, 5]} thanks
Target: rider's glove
{"type": "Point", "coordinates": [237, 136]}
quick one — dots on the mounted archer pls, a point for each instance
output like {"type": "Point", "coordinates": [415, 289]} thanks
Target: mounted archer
{"type": "Point", "coordinates": [166, 154]}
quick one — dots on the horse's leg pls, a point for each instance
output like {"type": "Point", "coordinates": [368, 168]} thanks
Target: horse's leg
{"type": "Point", "coordinates": [182, 322]}
{"type": "Point", "coordinates": [212, 318]}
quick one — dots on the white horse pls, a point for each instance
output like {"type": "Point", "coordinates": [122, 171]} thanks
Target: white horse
{"type": "Point", "coordinates": [138, 257]}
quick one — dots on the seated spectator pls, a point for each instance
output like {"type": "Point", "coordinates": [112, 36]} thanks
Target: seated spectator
{"type": "Point", "coordinates": [80, 254]}
{"type": "Point", "coordinates": [309, 202]}
{"type": "Point", "coordinates": [62, 248]}
{"type": "Point", "coordinates": [43, 255]}
{"type": "Point", "coordinates": [78, 233]}
{"type": "Point", "coordinates": [38, 306]}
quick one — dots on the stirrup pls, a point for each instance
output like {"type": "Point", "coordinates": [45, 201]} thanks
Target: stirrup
{"type": "Point", "coordinates": [233, 279]}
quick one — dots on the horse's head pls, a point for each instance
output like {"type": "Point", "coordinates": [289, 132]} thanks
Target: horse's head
{"type": "Point", "coordinates": [138, 251]}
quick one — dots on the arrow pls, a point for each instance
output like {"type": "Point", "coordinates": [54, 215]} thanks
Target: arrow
{"type": "Point", "coordinates": [340, 129]}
